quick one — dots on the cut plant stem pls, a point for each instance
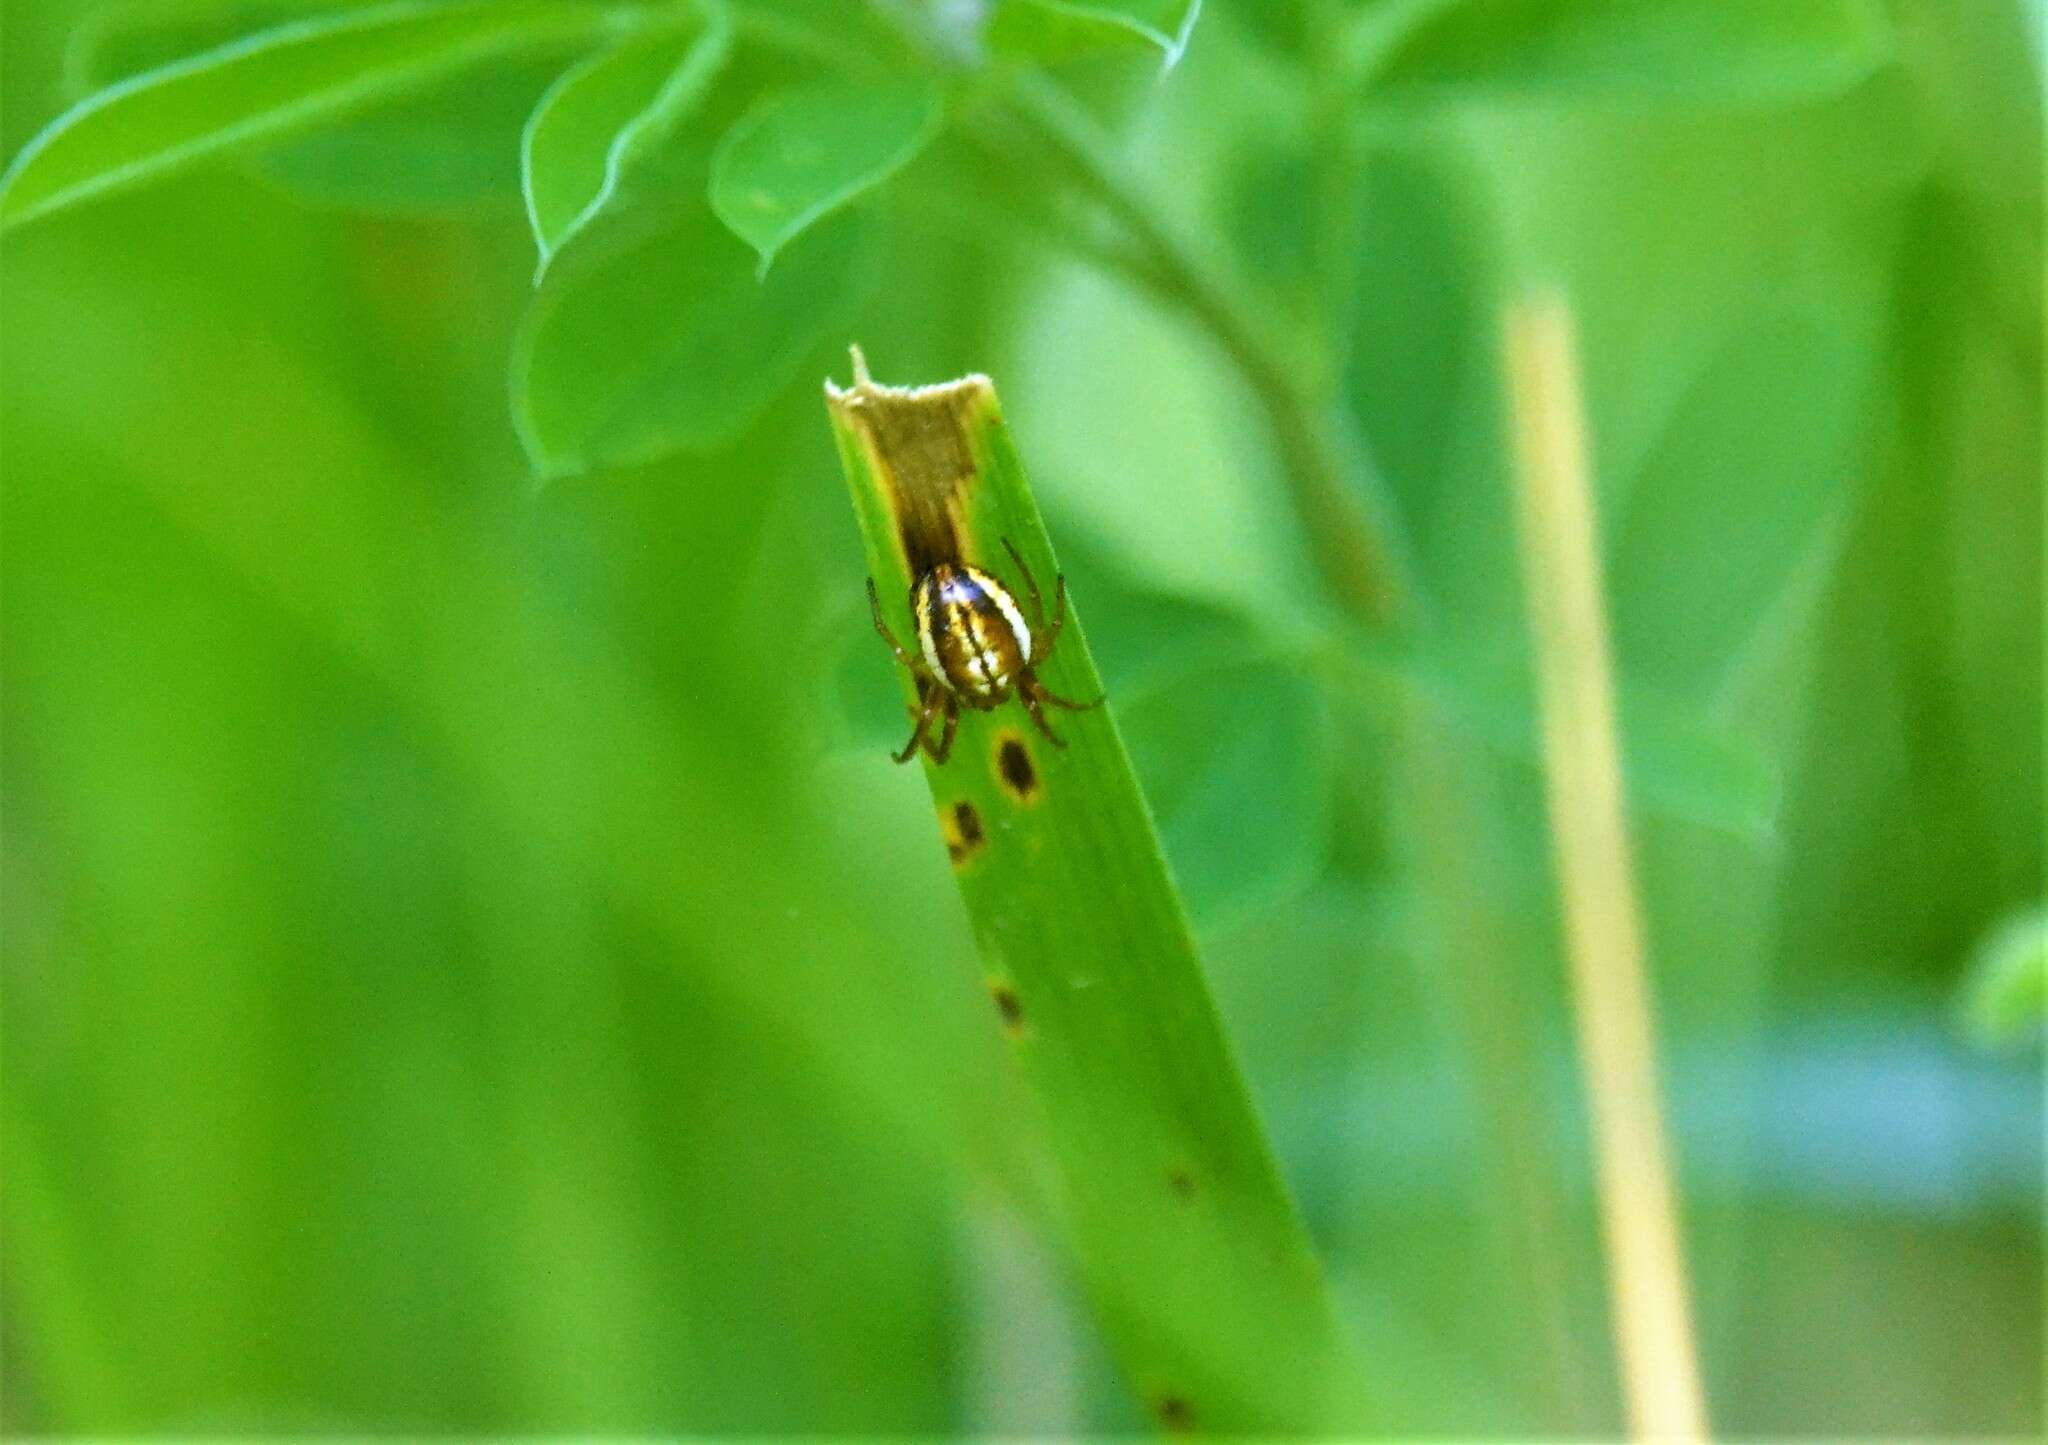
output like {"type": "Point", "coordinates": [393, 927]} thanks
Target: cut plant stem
{"type": "Point", "coordinates": [1186, 1239]}
{"type": "Point", "coordinates": [1603, 933]}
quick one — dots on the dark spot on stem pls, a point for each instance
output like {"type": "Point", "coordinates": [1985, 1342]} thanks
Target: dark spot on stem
{"type": "Point", "coordinates": [1014, 767]}
{"type": "Point", "coordinates": [1009, 1006]}
{"type": "Point", "coordinates": [1175, 1414]}
{"type": "Point", "coordinates": [964, 834]}
{"type": "Point", "coordinates": [1181, 1182]}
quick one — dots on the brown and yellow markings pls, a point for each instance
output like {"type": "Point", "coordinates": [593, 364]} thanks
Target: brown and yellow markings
{"type": "Point", "coordinates": [965, 835]}
{"type": "Point", "coordinates": [971, 632]}
{"type": "Point", "coordinates": [1176, 1415]}
{"type": "Point", "coordinates": [1014, 768]}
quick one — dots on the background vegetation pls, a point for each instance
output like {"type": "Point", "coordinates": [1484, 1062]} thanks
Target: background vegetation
{"type": "Point", "coordinates": [470, 965]}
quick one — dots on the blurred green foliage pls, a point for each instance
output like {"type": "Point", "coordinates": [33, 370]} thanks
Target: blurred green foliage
{"type": "Point", "coordinates": [470, 966]}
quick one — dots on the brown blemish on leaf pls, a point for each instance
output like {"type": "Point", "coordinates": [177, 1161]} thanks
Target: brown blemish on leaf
{"type": "Point", "coordinates": [918, 444]}
{"type": "Point", "coordinates": [1014, 768]}
{"type": "Point", "coordinates": [1175, 1414]}
{"type": "Point", "coordinates": [1009, 1006]}
{"type": "Point", "coordinates": [1181, 1182]}
{"type": "Point", "coordinates": [965, 836]}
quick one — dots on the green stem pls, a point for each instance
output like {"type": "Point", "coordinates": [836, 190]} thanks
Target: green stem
{"type": "Point", "coordinates": [1204, 1279]}
{"type": "Point", "coordinates": [1334, 147]}
{"type": "Point", "coordinates": [1351, 549]}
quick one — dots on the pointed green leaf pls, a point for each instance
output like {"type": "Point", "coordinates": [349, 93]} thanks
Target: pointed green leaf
{"type": "Point", "coordinates": [449, 142]}
{"type": "Point", "coordinates": [1185, 1236]}
{"type": "Point", "coordinates": [669, 341]}
{"type": "Point", "coordinates": [453, 144]}
{"type": "Point", "coordinates": [113, 43]}
{"type": "Point", "coordinates": [602, 118]}
{"type": "Point", "coordinates": [1060, 29]}
{"type": "Point", "coordinates": [263, 87]}
{"type": "Point", "coordinates": [1237, 761]}
{"type": "Point", "coordinates": [799, 156]}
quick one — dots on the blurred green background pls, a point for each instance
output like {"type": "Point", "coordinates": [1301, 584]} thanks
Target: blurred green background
{"type": "Point", "coordinates": [470, 965]}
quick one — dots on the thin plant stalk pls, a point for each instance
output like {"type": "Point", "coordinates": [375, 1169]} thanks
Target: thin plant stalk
{"type": "Point", "coordinates": [1603, 929]}
{"type": "Point", "coordinates": [1354, 548]}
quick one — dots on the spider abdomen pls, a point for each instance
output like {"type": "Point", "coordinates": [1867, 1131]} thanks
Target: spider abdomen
{"type": "Point", "coordinates": [971, 631]}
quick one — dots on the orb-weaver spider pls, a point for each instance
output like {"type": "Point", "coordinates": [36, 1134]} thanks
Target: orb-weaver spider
{"type": "Point", "coordinates": [977, 648]}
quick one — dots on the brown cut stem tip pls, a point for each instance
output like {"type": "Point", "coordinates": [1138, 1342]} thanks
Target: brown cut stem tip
{"type": "Point", "coordinates": [866, 390]}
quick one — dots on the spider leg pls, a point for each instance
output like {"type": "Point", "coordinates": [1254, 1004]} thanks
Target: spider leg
{"type": "Point", "coordinates": [1029, 697]}
{"type": "Point", "coordinates": [1045, 694]}
{"type": "Point", "coordinates": [945, 748]}
{"type": "Point", "coordinates": [930, 699]}
{"type": "Point", "coordinates": [1041, 651]}
{"type": "Point", "coordinates": [1030, 584]}
{"type": "Point", "coordinates": [875, 607]}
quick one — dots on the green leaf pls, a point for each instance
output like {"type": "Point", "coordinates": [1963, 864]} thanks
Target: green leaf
{"type": "Point", "coordinates": [1532, 49]}
{"type": "Point", "coordinates": [798, 156]}
{"type": "Point", "coordinates": [1061, 29]}
{"type": "Point", "coordinates": [117, 42]}
{"type": "Point", "coordinates": [1237, 762]}
{"type": "Point", "coordinates": [454, 144]}
{"type": "Point", "coordinates": [451, 142]}
{"type": "Point", "coordinates": [1168, 469]}
{"type": "Point", "coordinates": [264, 87]}
{"type": "Point", "coordinates": [2005, 1001]}
{"type": "Point", "coordinates": [669, 341]}
{"type": "Point", "coordinates": [1185, 1237]}
{"type": "Point", "coordinates": [1229, 727]}
{"type": "Point", "coordinates": [603, 117]}
{"type": "Point", "coordinates": [1674, 764]}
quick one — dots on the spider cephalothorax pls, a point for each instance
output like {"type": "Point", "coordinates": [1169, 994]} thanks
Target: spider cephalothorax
{"type": "Point", "coordinates": [976, 646]}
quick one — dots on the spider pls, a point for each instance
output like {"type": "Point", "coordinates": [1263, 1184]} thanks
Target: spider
{"type": "Point", "coordinates": [977, 649]}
